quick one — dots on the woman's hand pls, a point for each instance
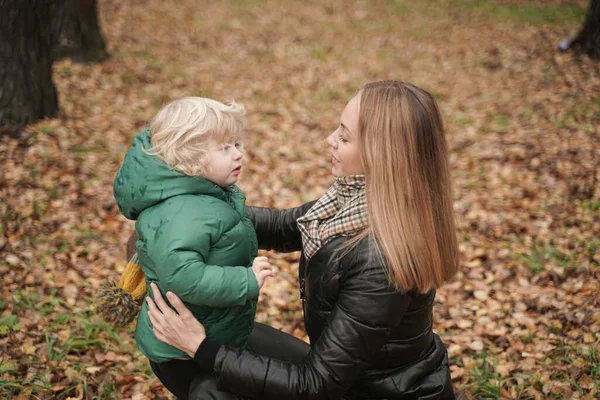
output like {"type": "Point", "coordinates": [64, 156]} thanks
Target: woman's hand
{"type": "Point", "coordinates": [179, 329]}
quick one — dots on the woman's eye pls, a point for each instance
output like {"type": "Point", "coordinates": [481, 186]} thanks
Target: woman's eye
{"type": "Point", "coordinates": [342, 138]}
{"type": "Point", "coordinates": [238, 145]}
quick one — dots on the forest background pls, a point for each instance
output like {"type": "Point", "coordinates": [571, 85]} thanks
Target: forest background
{"type": "Point", "coordinates": [522, 318]}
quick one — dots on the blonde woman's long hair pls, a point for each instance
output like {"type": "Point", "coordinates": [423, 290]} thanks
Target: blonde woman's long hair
{"type": "Point", "coordinates": [409, 197]}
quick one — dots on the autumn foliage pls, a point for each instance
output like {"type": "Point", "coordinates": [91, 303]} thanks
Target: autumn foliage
{"type": "Point", "coordinates": [522, 318]}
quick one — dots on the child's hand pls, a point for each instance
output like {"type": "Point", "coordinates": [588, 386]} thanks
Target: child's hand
{"type": "Point", "coordinates": [262, 269]}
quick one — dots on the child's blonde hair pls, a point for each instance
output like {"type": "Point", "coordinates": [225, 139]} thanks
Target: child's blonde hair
{"type": "Point", "coordinates": [181, 131]}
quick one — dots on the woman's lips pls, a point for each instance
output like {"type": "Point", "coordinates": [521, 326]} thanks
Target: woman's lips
{"type": "Point", "coordinates": [334, 160]}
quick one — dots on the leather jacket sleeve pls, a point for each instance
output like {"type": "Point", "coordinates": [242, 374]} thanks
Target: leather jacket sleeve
{"type": "Point", "coordinates": [366, 312]}
{"type": "Point", "coordinates": [277, 229]}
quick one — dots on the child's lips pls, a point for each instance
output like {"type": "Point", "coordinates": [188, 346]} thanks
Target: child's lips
{"type": "Point", "coordinates": [237, 170]}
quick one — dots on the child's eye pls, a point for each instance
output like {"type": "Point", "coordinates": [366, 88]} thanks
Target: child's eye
{"type": "Point", "coordinates": [225, 147]}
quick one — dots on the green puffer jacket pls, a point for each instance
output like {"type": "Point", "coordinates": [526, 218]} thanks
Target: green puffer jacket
{"type": "Point", "coordinates": [195, 239]}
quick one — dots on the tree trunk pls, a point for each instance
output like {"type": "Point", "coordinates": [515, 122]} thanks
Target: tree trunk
{"type": "Point", "coordinates": [27, 92]}
{"type": "Point", "coordinates": [588, 40]}
{"type": "Point", "coordinates": [76, 32]}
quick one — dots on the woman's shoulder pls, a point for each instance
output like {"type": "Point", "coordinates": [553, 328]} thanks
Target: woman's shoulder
{"type": "Point", "coordinates": [361, 249]}
{"type": "Point", "coordinates": [364, 260]}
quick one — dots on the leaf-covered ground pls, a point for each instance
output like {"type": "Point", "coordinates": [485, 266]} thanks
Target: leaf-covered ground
{"type": "Point", "coordinates": [522, 318]}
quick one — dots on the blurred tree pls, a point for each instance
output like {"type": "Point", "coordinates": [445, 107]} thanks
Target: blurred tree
{"type": "Point", "coordinates": [76, 31]}
{"type": "Point", "coordinates": [29, 32]}
{"type": "Point", "coordinates": [588, 39]}
{"type": "Point", "coordinates": [27, 92]}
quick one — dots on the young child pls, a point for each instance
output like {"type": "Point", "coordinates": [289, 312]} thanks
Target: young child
{"type": "Point", "coordinates": [194, 237]}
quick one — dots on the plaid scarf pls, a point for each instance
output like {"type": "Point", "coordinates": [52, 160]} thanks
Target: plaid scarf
{"type": "Point", "coordinates": [341, 211]}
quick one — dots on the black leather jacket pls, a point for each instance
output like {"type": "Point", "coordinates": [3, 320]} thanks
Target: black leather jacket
{"type": "Point", "coordinates": [367, 340]}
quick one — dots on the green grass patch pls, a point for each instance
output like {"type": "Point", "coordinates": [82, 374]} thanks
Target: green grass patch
{"type": "Point", "coordinates": [8, 367]}
{"type": "Point", "coordinates": [428, 9]}
{"type": "Point", "coordinates": [563, 352]}
{"type": "Point", "coordinates": [143, 53]}
{"type": "Point", "coordinates": [86, 235]}
{"type": "Point", "coordinates": [529, 338]}
{"type": "Point", "coordinates": [53, 193]}
{"type": "Point", "coordinates": [24, 300]}
{"type": "Point", "coordinates": [591, 205]}
{"type": "Point", "coordinates": [155, 65]}
{"type": "Point", "coordinates": [593, 359]}
{"type": "Point", "coordinates": [463, 121]}
{"type": "Point", "coordinates": [64, 71]}
{"type": "Point", "coordinates": [502, 122]}
{"type": "Point", "coordinates": [82, 149]}
{"type": "Point", "coordinates": [528, 113]}
{"type": "Point", "coordinates": [88, 333]}
{"type": "Point", "coordinates": [540, 255]}
{"type": "Point", "coordinates": [38, 210]}
{"type": "Point", "coordinates": [326, 95]}
{"type": "Point", "coordinates": [524, 14]}
{"type": "Point", "coordinates": [592, 248]}
{"type": "Point", "coordinates": [486, 382]}
{"type": "Point", "coordinates": [289, 181]}
{"type": "Point", "coordinates": [60, 247]}
{"type": "Point", "coordinates": [107, 390]}
{"type": "Point", "coordinates": [8, 324]}
{"type": "Point", "coordinates": [508, 14]}
{"type": "Point", "coordinates": [565, 122]}
{"type": "Point", "coordinates": [128, 77]}
{"type": "Point", "coordinates": [319, 53]}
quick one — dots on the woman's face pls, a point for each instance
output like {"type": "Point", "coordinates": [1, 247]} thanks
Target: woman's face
{"type": "Point", "coordinates": [344, 142]}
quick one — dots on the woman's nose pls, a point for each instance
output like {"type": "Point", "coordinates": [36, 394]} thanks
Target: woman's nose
{"type": "Point", "coordinates": [331, 140]}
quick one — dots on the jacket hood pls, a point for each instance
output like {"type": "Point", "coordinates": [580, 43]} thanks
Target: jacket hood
{"type": "Point", "coordinates": [143, 180]}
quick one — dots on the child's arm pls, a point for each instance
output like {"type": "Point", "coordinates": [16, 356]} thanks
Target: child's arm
{"type": "Point", "coordinates": [179, 253]}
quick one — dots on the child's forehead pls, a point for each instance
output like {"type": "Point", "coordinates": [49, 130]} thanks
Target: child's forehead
{"type": "Point", "coordinates": [226, 137]}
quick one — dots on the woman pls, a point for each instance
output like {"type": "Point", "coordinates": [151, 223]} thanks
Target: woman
{"type": "Point", "coordinates": [374, 249]}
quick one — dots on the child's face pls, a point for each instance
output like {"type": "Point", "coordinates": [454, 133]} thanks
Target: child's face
{"type": "Point", "coordinates": [225, 163]}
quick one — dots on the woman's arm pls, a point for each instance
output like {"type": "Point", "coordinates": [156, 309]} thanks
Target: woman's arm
{"type": "Point", "coordinates": [277, 229]}
{"type": "Point", "coordinates": [366, 312]}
